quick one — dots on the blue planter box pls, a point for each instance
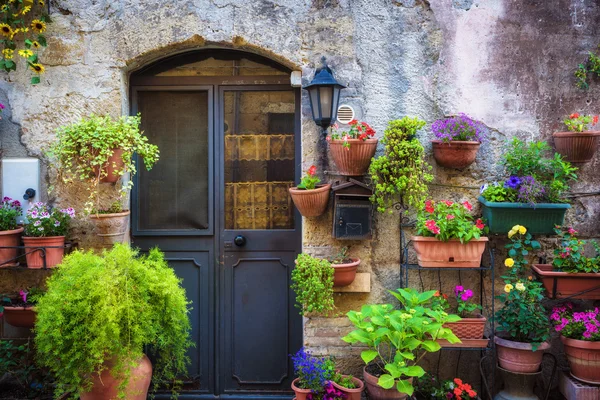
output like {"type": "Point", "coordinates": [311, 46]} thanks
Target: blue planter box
{"type": "Point", "coordinates": [539, 219]}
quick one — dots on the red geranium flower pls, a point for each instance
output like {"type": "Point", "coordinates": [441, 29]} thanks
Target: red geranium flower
{"type": "Point", "coordinates": [595, 120]}
{"type": "Point", "coordinates": [458, 381]}
{"type": "Point", "coordinates": [312, 170]}
{"type": "Point", "coordinates": [468, 205]}
{"type": "Point", "coordinates": [479, 224]}
{"type": "Point", "coordinates": [448, 202]}
{"type": "Point", "coordinates": [449, 216]}
{"type": "Point", "coordinates": [353, 122]}
{"type": "Point", "coordinates": [574, 115]}
{"type": "Point", "coordinates": [429, 206]}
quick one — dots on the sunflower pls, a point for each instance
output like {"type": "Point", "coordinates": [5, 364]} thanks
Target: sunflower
{"type": "Point", "coordinates": [8, 53]}
{"type": "Point", "coordinates": [38, 26]}
{"type": "Point", "coordinates": [25, 53]}
{"type": "Point", "coordinates": [25, 10]}
{"type": "Point", "coordinates": [5, 8]}
{"type": "Point", "coordinates": [41, 3]}
{"type": "Point", "coordinates": [35, 44]}
{"type": "Point", "coordinates": [6, 30]}
{"type": "Point", "coordinates": [37, 68]}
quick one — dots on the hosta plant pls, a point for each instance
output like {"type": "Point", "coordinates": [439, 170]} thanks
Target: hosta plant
{"type": "Point", "coordinates": [398, 338]}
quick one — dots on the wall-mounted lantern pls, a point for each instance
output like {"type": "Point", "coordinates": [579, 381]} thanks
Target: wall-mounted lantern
{"type": "Point", "coordinates": [324, 94]}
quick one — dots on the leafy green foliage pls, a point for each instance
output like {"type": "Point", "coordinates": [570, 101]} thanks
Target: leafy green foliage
{"type": "Point", "coordinates": [310, 180]}
{"type": "Point", "coordinates": [569, 257]}
{"type": "Point", "coordinates": [587, 69]}
{"type": "Point", "coordinates": [82, 151]}
{"type": "Point", "coordinates": [497, 193]}
{"type": "Point", "coordinates": [114, 208]}
{"type": "Point", "coordinates": [9, 211]}
{"type": "Point", "coordinates": [579, 123]}
{"type": "Point", "coordinates": [397, 339]}
{"type": "Point", "coordinates": [446, 220]}
{"type": "Point", "coordinates": [402, 170]}
{"type": "Point", "coordinates": [520, 248]}
{"type": "Point", "coordinates": [18, 361]}
{"type": "Point", "coordinates": [312, 280]}
{"type": "Point", "coordinates": [111, 307]}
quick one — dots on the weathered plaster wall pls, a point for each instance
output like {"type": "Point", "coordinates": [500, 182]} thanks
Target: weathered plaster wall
{"type": "Point", "coordinates": [508, 63]}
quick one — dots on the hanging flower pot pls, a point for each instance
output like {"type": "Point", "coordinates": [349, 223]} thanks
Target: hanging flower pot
{"type": "Point", "coordinates": [106, 386]}
{"type": "Point", "coordinates": [110, 228]}
{"type": "Point", "coordinates": [579, 144]}
{"type": "Point", "coordinates": [110, 171]}
{"type": "Point", "coordinates": [352, 151]}
{"type": "Point", "coordinates": [9, 239]}
{"type": "Point", "coordinates": [310, 198]}
{"type": "Point", "coordinates": [21, 317]}
{"type": "Point", "coordinates": [519, 356]}
{"type": "Point", "coordinates": [455, 154]}
{"type": "Point", "coordinates": [435, 253]}
{"type": "Point", "coordinates": [458, 140]}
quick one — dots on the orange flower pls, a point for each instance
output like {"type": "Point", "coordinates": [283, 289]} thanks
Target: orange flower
{"type": "Point", "coordinates": [436, 294]}
{"type": "Point", "coordinates": [472, 393]}
{"type": "Point", "coordinates": [466, 387]}
{"type": "Point", "coordinates": [457, 392]}
{"type": "Point", "coordinates": [458, 381]}
{"type": "Point", "coordinates": [574, 115]}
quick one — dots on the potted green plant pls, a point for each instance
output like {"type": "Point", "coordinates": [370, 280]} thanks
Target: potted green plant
{"type": "Point", "coordinates": [10, 232]}
{"type": "Point", "coordinates": [534, 193]}
{"type": "Point", "coordinates": [457, 141]}
{"type": "Point", "coordinates": [312, 280]}
{"type": "Point", "coordinates": [447, 236]}
{"type": "Point", "coordinates": [571, 271]}
{"type": "Point", "coordinates": [100, 149]}
{"type": "Point", "coordinates": [344, 268]}
{"type": "Point", "coordinates": [111, 225]}
{"type": "Point", "coordinates": [310, 198]}
{"type": "Point", "coordinates": [353, 150]}
{"type": "Point", "coordinates": [580, 335]}
{"type": "Point", "coordinates": [523, 325]}
{"type": "Point", "coordinates": [472, 324]}
{"type": "Point", "coordinates": [401, 172]}
{"type": "Point", "coordinates": [45, 233]}
{"type": "Point", "coordinates": [99, 315]}
{"type": "Point", "coordinates": [397, 339]}
{"type": "Point", "coordinates": [579, 143]}
{"type": "Point", "coordinates": [19, 310]}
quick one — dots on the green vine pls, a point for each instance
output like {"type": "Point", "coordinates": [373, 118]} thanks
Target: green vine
{"type": "Point", "coordinates": [402, 170]}
{"type": "Point", "coordinates": [312, 280]}
{"type": "Point", "coordinates": [585, 70]}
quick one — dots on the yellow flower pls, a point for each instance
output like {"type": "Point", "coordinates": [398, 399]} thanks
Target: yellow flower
{"type": "Point", "coordinates": [522, 230]}
{"type": "Point", "coordinates": [520, 287]}
{"type": "Point", "coordinates": [511, 233]}
{"type": "Point", "coordinates": [8, 53]}
{"type": "Point", "coordinates": [35, 44]}
{"type": "Point", "coordinates": [515, 228]}
{"type": "Point", "coordinates": [41, 3]}
{"type": "Point", "coordinates": [25, 10]}
{"type": "Point", "coordinates": [508, 287]}
{"type": "Point", "coordinates": [38, 26]}
{"type": "Point", "coordinates": [37, 68]}
{"type": "Point", "coordinates": [6, 30]}
{"type": "Point", "coordinates": [5, 8]}
{"type": "Point", "coordinates": [25, 53]}
{"type": "Point", "coordinates": [509, 262]}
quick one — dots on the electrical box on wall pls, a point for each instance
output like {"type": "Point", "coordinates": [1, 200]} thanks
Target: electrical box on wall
{"type": "Point", "coordinates": [353, 211]}
{"type": "Point", "coordinates": [21, 181]}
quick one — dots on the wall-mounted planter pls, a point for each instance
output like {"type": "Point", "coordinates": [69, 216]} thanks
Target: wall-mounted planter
{"type": "Point", "coordinates": [455, 154]}
{"type": "Point", "coordinates": [311, 203]}
{"type": "Point", "coordinates": [564, 284]}
{"type": "Point", "coordinates": [110, 228]}
{"type": "Point", "coordinates": [344, 274]}
{"type": "Point", "coordinates": [54, 250]}
{"type": "Point", "coordinates": [115, 163]}
{"type": "Point", "coordinates": [9, 239]}
{"type": "Point", "coordinates": [21, 317]}
{"type": "Point", "coordinates": [468, 328]}
{"type": "Point", "coordinates": [353, 160]}
{"type": "Point", "coordinates": [539, 219]}
{"type": "Point", "coordinates": [576, 147]}
{"type": "Point", "coordinates": [434, 253]}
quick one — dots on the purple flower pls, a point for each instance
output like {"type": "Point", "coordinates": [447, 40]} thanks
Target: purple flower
{"type": "Point", "coordinates": [587, 334]}
{"type": "Point", "coordinates": [458, 128]}
{"type": "Point", "coordinates": [458, 289]}
{"type": "Point", "coordinates": [23, 295]}
{"type": "Point", "coordinates": [467, 294]}
{"type": "Point", "coordinates": [555, 316]}
{"type": "Point", "coordinates": [530, 191]}
{"type": "Point", "coordinates": [513, 182]}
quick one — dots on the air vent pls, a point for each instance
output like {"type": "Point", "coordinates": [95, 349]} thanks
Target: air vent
{"type": "Point", "coordinates": [345, 114]}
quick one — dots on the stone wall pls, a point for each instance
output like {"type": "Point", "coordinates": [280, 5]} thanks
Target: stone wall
{"type": "Point", "coordinates": [508, 63]}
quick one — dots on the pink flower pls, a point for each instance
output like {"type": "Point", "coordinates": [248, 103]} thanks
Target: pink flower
{"type": "Point", "coordinates": [429, 206]}
{"type": "Point", "coordinates": [458, 289]}
{"type": "Point", "coordinates": [572, 231]}
{"type": "Point", "coordinates": [432, 227]}
{"type": "Point", "coordinates": [448, 203]}
{"type": "Point", "coordinates": [587, 334]}
{"type": "Point", "coordinates": [479, 224]}
{"type": "Point", "coordinates": [467, 205]}
{"type": "Point", "coordinates": [328, 138]}
{"type": "Point", "coordinates": [449, 216]}
{"type": "Point", "coordinates": [555, 316]}
{"type": "Point", "coordinates": [23, 295]}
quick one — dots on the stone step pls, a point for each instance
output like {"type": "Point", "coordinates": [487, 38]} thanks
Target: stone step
{"type": "Point", "coordinates": [573, 389]}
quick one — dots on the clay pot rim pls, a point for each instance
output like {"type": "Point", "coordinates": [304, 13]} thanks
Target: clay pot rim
{"type": "Point", "coordinates": [12, 231]}
{"type": "Point", "coordinates": [564, 134]}
{"type": "Point", "coordinates": [519, 345]}
{"type": "Point", "coordinates": [110, 215]}
{"type": "Point", "coordinates": [19, 308]}
{"type": "Point", "coordinates": [354, 263]}
{"type": "Point", "coordinates": [320, 188]}
{"type": "Point", "coordinates": [432, 239]}
{"type": "Point", "coordinates": [459, 142]}
{"type": "Point", "coordinates": [476, 318]}
{"type": "Point", "coordinates": [297, 389]}
{"type": "Point", "coordinates": [548, 271]}
{"type": "Point", "coordinates": [357, 382]}
{"type": "Point", "coordinates": [582, 344]}
{"type": "Point", "coordinates": [355, 141]}
{"type": "Point", "coordinates": [42, 237]}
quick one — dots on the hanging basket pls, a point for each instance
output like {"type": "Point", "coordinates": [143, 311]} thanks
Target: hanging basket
{"type": "Point", "coordinates": [353, 160]}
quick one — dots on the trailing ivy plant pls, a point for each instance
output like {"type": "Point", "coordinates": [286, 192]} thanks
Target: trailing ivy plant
{"type": "Point", "coordinates": [82, 150]}
{"type": "Point", "coordinates": [312, 280]}
{"type": "Point", "coordinates": [587, 69]}
{"type": "Point", "coordinates": [402, 170]}
{"type": "Point", "coordinates": [113, 307]}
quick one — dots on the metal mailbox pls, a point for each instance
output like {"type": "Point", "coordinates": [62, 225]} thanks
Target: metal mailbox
{"type": "Point", "coordinates": [353, 211]}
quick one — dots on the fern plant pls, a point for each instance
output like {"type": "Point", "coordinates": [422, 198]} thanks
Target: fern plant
{"type": "Point", "coordinates": [312, 280]}
{"type": "Point", "coordinates": [112, 307]}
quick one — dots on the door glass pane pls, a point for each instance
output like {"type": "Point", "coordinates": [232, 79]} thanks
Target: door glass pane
{"type": "Point", "coordinates": [174, 194]}
{"type": "Point", "coordinates": [259, 159]}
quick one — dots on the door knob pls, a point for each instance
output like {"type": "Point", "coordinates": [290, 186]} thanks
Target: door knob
{"type": "Point", "coordinates": [239, 240]}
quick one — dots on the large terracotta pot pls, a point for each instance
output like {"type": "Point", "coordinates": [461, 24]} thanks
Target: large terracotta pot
{"type": "Point", "coordinates": [300, 393]}
{"type": "Point", "coordinates": [567, 284]}
{"type": "Point", "coordinates": [576, 147]}
{"type": "Point", "coordinates": [22, 317]}
{"type": "Point", "coordinates": [311, 203]}
{"type": "Point", "coordinates": [353, 160]}
{"type": "Point", "coordinates": [584, 359]}
{"type": "Point", "coordinates": [115, 163]}
{"type": "Point", "coordinates": [468, 328]}
{"type": "Point", "coordinates": [7, 239]}
{"type": "Point", "coordinates": [455, 154]}
{"type": "Point", "coordinates": [110, 228]}
{"type": "Point", "coordinates": [344, 274]}
{"type": "Point", "coordinates": [518, 356]}
{"type": "Point", "coordinates": [351, 394]}
{"type": "Point", "coordinates": [376, 392]}
{"type": "Point", "coordinates": [106, 387]}
{"type": "Point", "coordinates": [54, 248]}
{"type": "Point", "coordinates": [432, 252]}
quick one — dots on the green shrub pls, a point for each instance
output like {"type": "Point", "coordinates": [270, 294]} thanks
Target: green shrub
{"type": "Point", "coordinates": [112, 306]}
{"type": "Point", "coordinates": [312, 280]}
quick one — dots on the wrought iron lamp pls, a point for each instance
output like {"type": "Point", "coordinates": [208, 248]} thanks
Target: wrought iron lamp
{"type": "Point", "coordinates": [324, 94]}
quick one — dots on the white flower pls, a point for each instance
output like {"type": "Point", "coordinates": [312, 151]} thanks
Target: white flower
{"type": "Point", "coordinates": [37, 223]}
{"type": "Point", "coordinates": [56, 223]}
{"type": "Point", "coordinates": [483, 187]}
{"type": "Point", "coordinates": [40, 228]}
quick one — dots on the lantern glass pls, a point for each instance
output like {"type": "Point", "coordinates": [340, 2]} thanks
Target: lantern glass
{"type": "Point", "coordinates": [314, 103]}
{"type": "Point", "coordinates": [326, 99]}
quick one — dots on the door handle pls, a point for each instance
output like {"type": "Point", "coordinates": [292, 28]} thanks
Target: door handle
{"type": "Point", "coordinates": [239, 240]}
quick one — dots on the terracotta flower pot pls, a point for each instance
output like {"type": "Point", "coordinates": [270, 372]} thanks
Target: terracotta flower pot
{"type": "Point", "coordinates": [110, 228]}
{"type": "Point", "coordinates": [567, 284]}
{"type": "Point", "coordinates": [584, 359]}
{"type": "Point", "coordinates": [22, 317]}
{"type": "Point", "coordinates": [351, 394]}
{"type": "Point", "coordinates": [300, 393]}
{"type": "Point", "coordinates": [311, 203]}
{"type": "Point", "coordinates": [432, 252]}
{"type": "Point", "coordinates": [455, 154]}
{"type": "Point", "coordinates": [576, 147]}
{"type": "Point", "coordinates": [115, 163]}
{"type": "Point", "coordinates": [344, 274]}
{"type": "Point", "coordinates": [518, 356]}
{"type": "Point", "coordinates": [9, 238]}
{"type": "Point", "coordinates": [105, 386]}
{"type": "Point", "coordinates": [376, 392]}
{"type": "Point", "coordinates": [54, 249]}
{"type": "Point", "coordinates": [468, 328]}
{"type": "Point", "coordinates": [353, 160]}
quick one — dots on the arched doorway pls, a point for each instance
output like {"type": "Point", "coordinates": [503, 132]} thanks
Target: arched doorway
{"type": "Point", "coordinates": [227, 125]}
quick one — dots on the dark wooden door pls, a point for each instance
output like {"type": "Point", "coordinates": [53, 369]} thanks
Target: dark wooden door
{"type": "Point", "coordinates": [228, 155]}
